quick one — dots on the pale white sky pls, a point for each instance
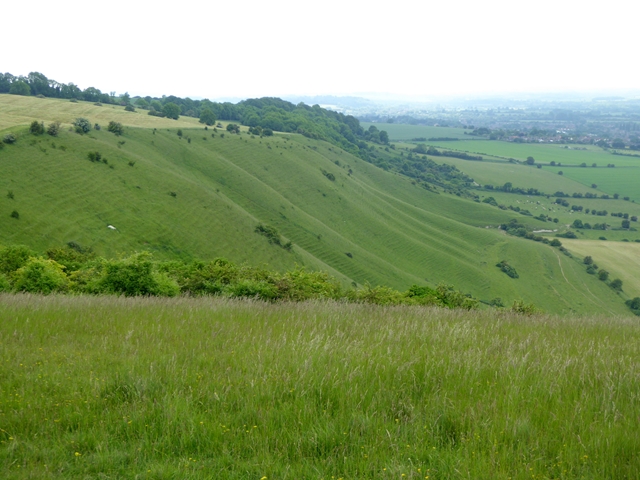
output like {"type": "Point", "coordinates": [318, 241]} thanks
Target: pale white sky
{"type": "Point", "coordinates": [253, 48]}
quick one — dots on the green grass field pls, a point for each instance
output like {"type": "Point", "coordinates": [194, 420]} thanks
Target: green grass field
{"type": "Point", "coordinates": [403, 132]}
{"type": "Point", "coordinates": [544, 153]}
{"type": "Point", "coordinates": [99, 387]}
{"type": "Point", "coordinates": [623, 179]}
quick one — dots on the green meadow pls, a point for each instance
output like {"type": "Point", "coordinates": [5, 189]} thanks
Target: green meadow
{"type": "Point", "coordinates": [622, 180]}
{"type": "Point", "coordinates": [543, 153]}
{"type": "Point", "coordinates": [402, 132]}
{"type": "Point", "coordinates": [143, 388]}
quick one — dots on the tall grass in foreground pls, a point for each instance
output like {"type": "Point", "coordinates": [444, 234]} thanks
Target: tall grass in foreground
{"type": "Point", "coordinates": [111, 387]}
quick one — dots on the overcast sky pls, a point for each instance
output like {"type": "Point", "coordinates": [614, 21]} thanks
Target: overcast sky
{"type": "Point", "coordinates": [217, 49]}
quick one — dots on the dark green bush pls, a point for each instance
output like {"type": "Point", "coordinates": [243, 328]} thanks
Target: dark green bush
{"type": "Point", "coordinates": [508, 269]}
{"type": "Point", "coordinates": [634, 305]}
{"type": "Point", "coordinates": [53, 129]}
{"type": "Point", "coordinates": [94, 156]}
{"type": "Point", "coordinates": [270, 232]}
{"type": "Point", "coordinates": [116, 128]}
{"type": "Point", "coordinates": [9, 138]}
{"type": "Point", "coordinates": [82, 125]}
{"type": "Point", "coordinates": [71, 259]}
{"type": "Point", "coordinates": [329, 175]}
{"type": "Point", "coordinates": [616, 284]}
{"type": "Point", "coordinates": [36, 128]}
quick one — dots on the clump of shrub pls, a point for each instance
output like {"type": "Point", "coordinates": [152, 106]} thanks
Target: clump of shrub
{"type": "Point", "coordinates": [72, 257]}
{"type": "Point", "coordinates": [116, 128]}
{"type": "Point", "coordinates": [508, 269]}
{"type": "Point", "coordinates": [40, 275]}
{"type": "Point", "coordinates": [378, 295]}
{"type": "Point", "coordinates": [633, 304]}
{"type": "Point", "coordinates": [53, 129]}
{"type": "Point", "coordinates": [523, 308]}
{"type": "Point", "coordinates": [94, 156]}
{"type": "Point", "coordinates": [82, 125]}
{"type": "Point", "coordinates": [496, 302]}
{"type": "Point", "coordinates": [273, 236]}
{"type": "Point", "coordinates": [36, 128]}
{"type": "Point", "coordinates": [14, 257]}
{"type": "Point", "coordinates": [15, 214]}
{"type": "Point", "coordinates": [134, 276]}
{"type": "Point", "coordinates": [616, 284]}
{"type": "Point", "coordinates": [129, 108]}
{"type": "Point", "coordinates": [9, 138]}
{"type": "Point", "coordinates": [329, 175]}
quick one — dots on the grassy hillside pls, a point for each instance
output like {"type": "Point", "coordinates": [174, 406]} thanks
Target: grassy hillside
{"type": "Point", "coordinates": [201, 195]}
{"type": "Point", "coordinates": [107, 387]}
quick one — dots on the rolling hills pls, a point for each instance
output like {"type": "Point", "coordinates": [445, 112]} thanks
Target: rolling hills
{"type": "Point", "coordinates": [182, 191]}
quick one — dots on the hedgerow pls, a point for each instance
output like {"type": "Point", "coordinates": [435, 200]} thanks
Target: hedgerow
{"type": "Point", "coordinates": [72, 269]}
